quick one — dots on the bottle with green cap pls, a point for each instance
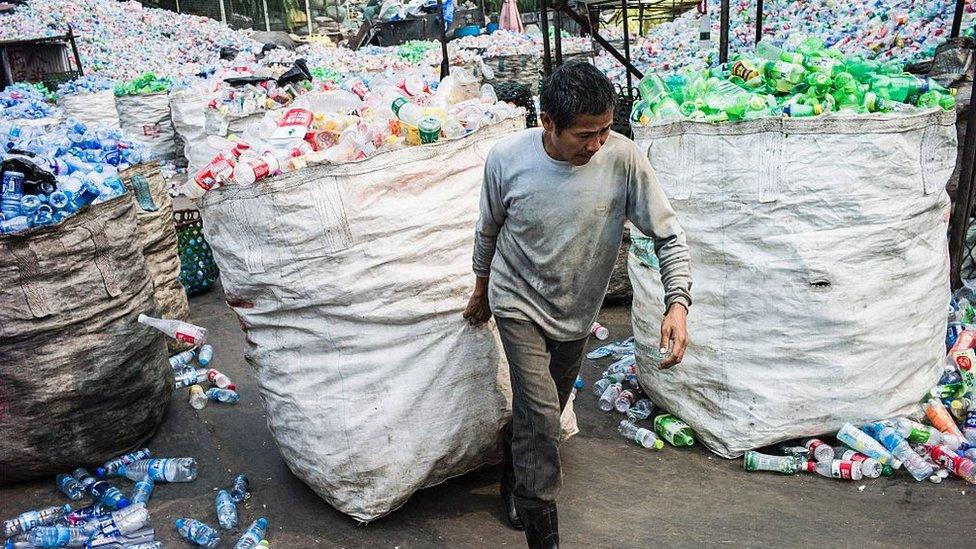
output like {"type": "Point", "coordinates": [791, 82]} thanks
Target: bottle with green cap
{"type": "Point", "coordinates": [787, 465]}
{"type": "Point", "coordinates": [657, 96]}
{"type": "Point", "coordinates": [781, 76]}
{"type": "Point", "coordinates": [734, 101]}
{"type": "Point", "coordinates": [771, 52]}
{"type": "Point", "coordinates": [673, 430]}
{"type": "Point", "coordinates": [640, 436]}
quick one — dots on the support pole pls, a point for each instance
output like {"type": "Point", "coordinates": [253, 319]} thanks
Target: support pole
{"type": "Point", "coordinates": [584, 24]}
{"type": "Point", "coordinates": [630, 77]}
{"type": "Point", "coordinates": [308, 15]}
{"type": "Point", "coordinates": [267, 21]}
{"type": "Point", "coordinates": [959, 222]}
{"type": "Point", "coordinates": [441, 23]}
{"type": "Point", "coordinates": [178, 6]}
{"type": "Point", "coordinates": [223, 12]}
{"type": "Point", "coordinates": [74, 50]}
{"type": "Point", "coordinates": [759, 20]}
{"type": "Point", "coordinates": [557, 35]}
{"type": "Point", "coordinates": [546, 52]}
{"type": "Point", "coordinates": [723, 44]}
{"type": "Point", "coordinates": [957, 18]}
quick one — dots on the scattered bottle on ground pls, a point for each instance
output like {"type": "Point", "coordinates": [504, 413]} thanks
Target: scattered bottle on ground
{"type": "Point", "coordinates": [870, 468]}
{"type": "Point", "coordinates": [198, 399]}
{"type": "Point", "coordinates": [639, 435]}
{"type": "Point", "coordinates": [197, 532]}
{"type": "Point", "coordinates": [960, 466]}
{"type": "Point", "coordinates": [253, 535]}
{"type": "Point", "coordinates": [179, 330]}
{"type": "Point", "coordinates": [819, 450]}
{"type": "Point", "coordinates": [239, 492]}
{"type": "Point", "coordinates": [847, 470]}
{"type": "Point", "coordinates": [599, 331]}
{"type": "Point", "coordinates": [142, 490]}
{"type": "Point", "coordinates": [223, 395]}
{"type": "Point", "coordinates": [111, 467]}
{"type": "Point", "coordinates": [226, 510]}
{"type": "Point", "coordinates": [177, 362]}
{"type": "Point", "coordinates": [101, 490]}
{"type": "Point", "coordinates": [58, 536]}
{"type": "Point", "coordinates": [673, 430]}
{"type": "Point", "coordinates": [220, 380]}
{"type": "Point", "coordinates": [862, 442]}
{"type": "Point", "coordinates": [788, 465]}
{"type": "Point", "coordinates": [206, 355]}
{"type": "Point", "coordinates": [624, 401]}
{"type": "Point", "coordinates": [610, 396]}
{"type": "Point", "coordinates": [182, 469]}
{"type": "Point", "coordinates": [642, 409]}
{"type": "Point", "coordinates": [28, 520]}
{"type": "Point", "coordinates": [900, 449]}
{"type": "Point", "coordinates": [70, 487]}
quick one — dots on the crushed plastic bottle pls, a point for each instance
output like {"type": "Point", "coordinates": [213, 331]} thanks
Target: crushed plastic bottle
{"type": "Point", "coordinates": [198, 399]}
{"type": "Point", "coordinates": [253, 535]}
{"type": "Point", "coordinates": [900, 449]}
{"type": "Point", "coordinates": [227, 396]}
{"type": "Point", "coordinates": [182, 469]}
{"type": "Point", "coordinates": [197, 532]}
{"type": "Point", "coordinates": [610, 396]}
{"type": "Point", "coordinates": [70, 487]}
{"type": "Point", "coordinates": [28, 520]}
{"type": "Point", "coordinates": [240, 492]}
{"type": "Point", "coordinates": [176, 329]}
{"type": "Point", "coordinates": [624, 401]}
{"type": "Point", "coordinates": [226, 510]}
{"type": "Point", "coordinates": [122, 522]}
{"type": "Point", "coordinates": [111, 467]}
{"type": "Point", "coordinates": [788, 465]}
{"type": "Point", "coordinates": [673, 430]}
{"type": "Point", "coordinates": [642, 409]}
{"type": "Point", "coordinates": [142, 490]}
{"type": "Point", "coordinates": [206, 355]}
{"type": "Point", "coordinates": [101, 490]}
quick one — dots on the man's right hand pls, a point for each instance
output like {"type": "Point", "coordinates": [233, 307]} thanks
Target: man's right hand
{"type": "Point", "coordinates": [478, 312]}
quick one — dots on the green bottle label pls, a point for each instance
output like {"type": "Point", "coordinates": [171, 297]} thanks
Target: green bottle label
{"type": "Point", "coordinates": [919, 436]}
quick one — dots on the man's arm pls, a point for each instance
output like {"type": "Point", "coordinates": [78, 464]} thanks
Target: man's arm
{"type": "Point", "coordinates": [649, 209]}
{"type": "Point", "coordinates": [490, 220]}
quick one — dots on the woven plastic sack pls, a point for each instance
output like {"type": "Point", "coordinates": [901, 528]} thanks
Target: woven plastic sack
{"type": "Point", "coordinates": [349, 282]}
{"type": "Point", "coordinates": [146, 118]}
{"type": "Point", "coordinates": [198, 272]}
{"type": "Point", "coordinates": [96, 108]}
{"type": "Point", "coordinates": [80, 381]}
{"type": "Point", "coordinates": [820, 263]}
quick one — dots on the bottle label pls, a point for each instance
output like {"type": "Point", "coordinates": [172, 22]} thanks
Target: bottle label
{"type": "Point", "coordinates": [970, 421]}
{"type": "Point", "coordinates": [398, 104]}
{"type": "Point", "coordinates": [919, 435]}
{"type": "Point", "coordinates": [841, 469]}
{"type": "Point", "coordinates": [744, 71]}
{"type": "Point", "coordinates": [185, 337]}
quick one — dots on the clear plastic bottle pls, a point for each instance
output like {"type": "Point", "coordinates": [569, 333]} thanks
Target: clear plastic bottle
{"type": "Point", "coordinates": [610, 396]}
{"type": "Point", "coordinates": [105, 493]}
{"type": "Point", "coordinates": [142, 490]}
{"type": "Point", "coordinates": [960, 466]}
{"type": "Point", "coordinates": [220, 380]}
{"type": "Point", "coordinates": [227, 396]}
{"type": "Point", "coordinates": [941, 419]}
{"type": "Point", "coordinates": [111, 467]}
{"type": "Point", "coordinates": [226, 510]}
{"type": "Point", "coordinates": [31, 519]}
{"type": "Point", "coordinates": [918, 433]}
{"type": "Point", "coordinates": [788, 465]}
{"type": "Point", "coordinates": [239, 492]}
{"type": "Point", "coordinates": [188, 377]}
{"type": "Point", "coordinates": [639, 435]}
{"type": "Point", "coordinates": [599, 331]}
{"type": "Point", "coordinates": [206, 355]}
{"type": "Point", "coordinates": [624, 401]}
{"type": "Point", "coordinates": [198, 399]}
{"type": "Point", "coordinates": [847, 470]}
{"type": "Point", "coordinates": [178, 362]}
{"type": "Point", "coordinates": [858, 440]}
{"type": "Point", "coordinates": [253, 535]}
{"type": "Point", "coordinates": [123, 522]}
{"type": "Point", "coordinates": [642, 409]}
{"type": "Point", "coordinates": [870, 468]}
{"type": "Point", "coordinates": [197, 532]}
{"type": "Point", "coordinates": [58, 536]}
{"type": "Point", "coordinates": [182, 331]}
{"type": "Point", "coordinates": [819, 450]}
{"type": "Point", "coordinates": [70, 487]}
{"type": "Point", "coordinates": [673, 430]}
{"type": "Point", "coordinates": [182, 469]}
{"type": "Point", "coordinates": [900, 449]}
{"type": "Point", "coordinates": [969, 427]}
{"type": "Point", "coordinates": [85, 514]}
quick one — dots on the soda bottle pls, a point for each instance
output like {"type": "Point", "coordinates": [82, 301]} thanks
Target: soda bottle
{"type": "Point", "coordinates": [198, 399]}
{"type": "Point", "coordinates": [179, 330]}
{"type": "Point", "coordinates": [860, 68]}
{"type": "Point", "coordinates": [900, 449]}
{"type": "Point", "coordinates": [766, 49]}
{"type": "Point", "coordinates": [220, 380]}
{"type": "Point", "coordinates": [206, 355]}
{"type": "Point", "coordinates": [223, 395]}
{"type": "Point", "coordinates": [239, 492]}
{"type": "Point", "coordinates": [673, 430]}
{"type": "Point", "coordinates": [624, 401]}
{"type": "Point", "coordinates": [28, 520]}
{"type": "Point", "coordinates": [102, 491]}
{"type": "Point", "coordinates": [788, 465]}
{"type": "Point", "coordinates": [599, 331]}
{"type": "Point", "coordinates": [960, 466]}
{"type": "Point", "coordinates": [111, 467]}
{"type": "Point", "coordinates": [70, 487]}
{"type": "Point", "coordinates": [642, 409]}
{"type": "Point", "coordinates": [642, 437]}
{"type": "Point", "coordinates": [847, 470]}
{"type": "Point", "coordinates": [162, 470]}
{"type": "Point", "coordinates": [226, 510]}
{"type": "Point", "coordinates": [197, 532]}
{"type": "Point", "coordinates": [940, 418]}
{"type": "Point", "coordinates": [253, 169]}
{"type": "Point", "coordinates": [58, 536]}
{"type": "Point", "coordinates": [726, 97]}
{"type": "Point", "coordinates": [142, 490]}
{"type": "Point", "coordinates": [819, 450]}
{"type": "Point", "coordinates": [253, 535]}
{"type": "Point", "coordinates": [177, 362]}
{"type": "Point", "coordinates": [610, 396]}
{"type": "Point", "coordinates": [657, 96]}
{"type": "Point", "coordinates": [862, 442]}
{"type": "Point", "coordinates": [869, 467]}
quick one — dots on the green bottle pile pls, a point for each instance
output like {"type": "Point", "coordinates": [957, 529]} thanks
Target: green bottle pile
{"type": "Point", "coordinates": [810, 81]}
{"type": "Point", "coordinates": [144, 85]}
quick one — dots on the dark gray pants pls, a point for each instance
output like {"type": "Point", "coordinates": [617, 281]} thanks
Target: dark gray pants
{"type": "Point", "coordinates": [543, 371]}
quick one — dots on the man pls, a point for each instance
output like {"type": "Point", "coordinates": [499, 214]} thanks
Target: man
{"type": "Point", "coordinates": [553, 207]}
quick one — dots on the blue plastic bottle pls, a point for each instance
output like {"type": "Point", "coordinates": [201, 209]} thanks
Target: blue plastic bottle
{"type": "Point", "coordinates": [105, 493]}
{"type": "Point", "coordinates": [226, 510]}
{"type": "Point", "coordinates": [12, 189]}
{"type": "Point", "coordinates": [197, 532]}
{"type": "Point", "coordinates": [240, 490]}
{"type": "Point", "coordinates": [70, 487]}
{"type": "Point", "coordinates": [253, 535]}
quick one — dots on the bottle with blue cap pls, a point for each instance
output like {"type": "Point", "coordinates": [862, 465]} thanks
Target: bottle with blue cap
{"type": "Point", "coordinates": [70, 487]}
{"type": "Point", "coordinates": [29, 520]}
{"type": "Point", "coordinates": [226, 510]}
{"type": "Point", "coordinates": [112, 467]}
{"type": "Point", "coordinates": [253, 535]}
{"type": "Point", "coordinates": [197, 532]}
{"type": "Point", "coordinates": [105, 493]}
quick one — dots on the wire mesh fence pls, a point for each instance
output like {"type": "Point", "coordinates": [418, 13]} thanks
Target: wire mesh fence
{"type": "Point", "coordinates": [293, 16]}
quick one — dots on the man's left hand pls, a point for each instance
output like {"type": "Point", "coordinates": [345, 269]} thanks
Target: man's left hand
{"type": "Point", "coordinates": [674, 335]}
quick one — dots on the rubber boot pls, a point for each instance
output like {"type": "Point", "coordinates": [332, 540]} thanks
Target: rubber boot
{"type": "Point", "coordinates": [541, 525]}
{"type": "Point", "coordinates": [507, 483]}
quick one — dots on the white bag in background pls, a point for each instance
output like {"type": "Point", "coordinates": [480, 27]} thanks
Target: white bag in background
{"type": "Point", "coordinates": [146, 118]}
{"type": "Point", "coordinates": [96, 108]}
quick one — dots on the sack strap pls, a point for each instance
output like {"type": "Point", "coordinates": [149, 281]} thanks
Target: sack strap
{"type": "Point", "coordinates": [143, 194]}
{"type": "Point", "coordinates": [41, 301]}
{"type": "Point", "coordinates": [96, 229]}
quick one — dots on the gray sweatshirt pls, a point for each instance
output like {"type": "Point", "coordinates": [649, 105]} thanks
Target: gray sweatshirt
{"type": "Point", "coordinates": [549, 232]}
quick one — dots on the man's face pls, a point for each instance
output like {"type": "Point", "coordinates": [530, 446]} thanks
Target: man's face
{"type": "Point", "coordinates": [582, 139]}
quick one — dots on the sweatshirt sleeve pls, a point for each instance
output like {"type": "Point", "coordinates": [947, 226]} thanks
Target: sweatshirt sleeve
{"type": "Point", "coordinates": [650, 211]}
{"type": "Point", "coordinates": [490, 219]}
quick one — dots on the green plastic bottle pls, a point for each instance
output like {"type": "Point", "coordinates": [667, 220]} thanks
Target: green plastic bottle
{"type": "Point", "coordinates": [734, 101]}
{"type": "Point", "coordinates": [782, 76]}
{"type": "Point", "coordinates": [659, 101]}
{"type": "Point", "coordinates": [673, 430]}
{"type": "Point", "coordinates": [860, 68]}
{"type": "Point", "coordinates": [771, 52]}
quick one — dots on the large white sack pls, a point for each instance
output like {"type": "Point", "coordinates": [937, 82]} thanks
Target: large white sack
{"type": "Point", "coordinates": [145, 118]}
{"type": "Point", "coordinates": [820, 269]}
{"type": "Point", "coordinates": [204, 138]}
{"type": "Point", "coordinates": [186, 107]}
{"type": "Point", "coordinates": [96, 108]}
{"type": "Point", "coordinates": [349, 282]}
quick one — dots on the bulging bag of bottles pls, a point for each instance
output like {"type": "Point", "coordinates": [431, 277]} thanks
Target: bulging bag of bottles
{"type": "Point", "coordinates": [146, 118]}
{"type": "Point", "coordinates": [80, 381]}
{"type": "Point", "coordinates": [349, 281]}
{"type": "Point", "coordinates": [94, 109]}
{"type": "Point", "coordinates": [821, 272]}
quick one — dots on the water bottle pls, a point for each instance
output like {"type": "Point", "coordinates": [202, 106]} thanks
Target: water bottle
{"type": "Point", "coordinates": [181, 331]}
{"type": "Point", "coordinates": [226, 510]}
{"type": "Point", "coordinates": [862, 442]}
{"type": "Point", "coordinates": [599, 331]}
{"type": "Point", "coordinates": [253, 535]}
{"type": "Point", "coordinates": [177, 362]}
{"type": "Point", "coordinates": [673, 430]}
{"type": "Point", "coordinates": [58, 536]}
{"type": "Point", "coordinates": [206, 355]}
{"type": "Point", "coordinates": [610, 396]}
{"type": "Point", "coordinates": [959, 408]}
{"type": "Point", "coordinates": [250, 170]}
{"type": "Point", "coordinates": [144, 538]}
{"type": "Point", "coordinates": [640, 436]}
{"type": "Point", "coordinates": [264, 543]}
{"type": "Point", "coordinates": [624, 401]}
{"type": "Point", "coordinates": [788, 465]}
{"type": "Point", "coordinates": [900, 449]}
{"type": "Point", "coordinates": [577, 385]}
{"type": "Point", "coordinates": [766, 49]}
{"type": "Point", "coordinates": [83, 515]}
{"type": "Point", "coordinates": [197, 532]}
{"type": "Point", "coordinates": [70, 487]}
{"type": "Point", "coordinates": [220, 380]}
{"type": "Point", "coordinates": [969, 427]}
{"type": "Point", "coordinates": [239, 492]}
{"type": "Point", "coordinates": [869, 467]}
{"type": "Point", "coordinates": [112, 466]}
{"type": "Point", "coordinates": [30, 519]}
{"type": "Point", "coordinates": [817, 448]}
{"type": "Point", "coordinates": [12, 189]}
{"type": "Point", "coordinates": [102, 491]}
{"type": "Point", "coordinates": [601, 385]}
{"type": "Point", "coordinates": [847, 470]}
{"type": "Point", "coordinates": [642, 409]}
{"type": "Point", "coordinates": [198, 399]}
{"type": "Point", "coordinates": [960, 466]}
{"type": "Point", "coordinates": [142, 490]}
{"type": "Point", "coordinates": [217, 394]}
{"type": "Point", "coordinates": [182, 469]}
{"type": "Point", "coordinates": [125, 521]}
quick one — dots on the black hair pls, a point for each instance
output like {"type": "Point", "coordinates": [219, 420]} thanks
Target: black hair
{"type": "Point", "coordinates": [574, 89]}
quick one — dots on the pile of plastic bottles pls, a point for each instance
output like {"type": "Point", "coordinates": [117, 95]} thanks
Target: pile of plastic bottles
{"type": "Point", "coordinates": [124, 39]}
{"type": "Point", "coordinates": [144, 84]}
{"type": "Point", "coordinates": [899, 30]}
{"type": "Point", "coordinates": [612, 394]}
{"type": "Point", "coordinates": [90, 83]}
{"type": "Point", "coordinates": [49, 174]}
{"type": "Point", "coordinates": [113, 519]}
{"type": "Point", "coordinates": [353, 123]}
{"type": "Point", "coordinates": [810, 81]}
{"type": "Point", "coordinates": [502, 43]}
{"type": "Point", "coordinates": [23, 100]}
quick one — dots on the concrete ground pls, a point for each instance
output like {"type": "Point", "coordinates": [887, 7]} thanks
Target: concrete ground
{"type": "Point", "coordinates": [615, 494]}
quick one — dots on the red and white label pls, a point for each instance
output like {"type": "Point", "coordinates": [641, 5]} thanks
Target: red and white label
{"type": "Point", "coordinates": [185, 336]}
{"type": "Point", "coordinates": [841, 469]}
{"type": "Point", "coordinates": [260, 168]}
{"type": "Point", "coordinates": [294, 123]}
